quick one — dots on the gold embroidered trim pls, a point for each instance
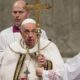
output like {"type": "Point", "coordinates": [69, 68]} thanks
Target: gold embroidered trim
{"type": "Point", "coordinates": [25, 48]}
{"type": "Point", "coordinates": [19, 67]}
{"type": "Point", "coordinates": [34, 51]}
{"type": "Point", "coordinates": [15, 51]}
{"type": "Point", "coordinates": [49, 65]}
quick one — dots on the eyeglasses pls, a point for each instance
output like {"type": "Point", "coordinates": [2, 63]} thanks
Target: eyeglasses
{"type": "Point", "coordinates": [34, 31]}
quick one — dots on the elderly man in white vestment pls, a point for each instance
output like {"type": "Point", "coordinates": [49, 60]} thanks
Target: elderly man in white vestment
{"type": "Point", "coordinates": [11, 34]}
{"type": "Point", "coordinates": [20, 59]}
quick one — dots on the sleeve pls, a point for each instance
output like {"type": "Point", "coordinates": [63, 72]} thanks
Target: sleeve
{"type": "Point", "coordinates": [73, 68]}
{"type": "Point", "coordinates": [52, 75]}
{"type": "Point", "coordinates": [45, 75]}
{"type": "Point", "coordinates": [2, 43]}
{"type": "Point", "coordinates": [1, 58]}
{"type": "Point", "coordinates": [58, 71]}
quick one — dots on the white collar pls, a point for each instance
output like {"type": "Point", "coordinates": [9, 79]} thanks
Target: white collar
{"type": "Point", "coordinates": [18, 47]}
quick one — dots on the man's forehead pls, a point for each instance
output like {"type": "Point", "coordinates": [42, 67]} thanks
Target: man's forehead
{"type": "Point", "coordinates": [19, 5]}
{"type": "Point", "coordinates": [18, 8]}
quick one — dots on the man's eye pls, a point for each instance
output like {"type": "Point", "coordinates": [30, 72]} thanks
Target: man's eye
{"type": "Point", "coordinates": [20, 11]}
{"type": "Point", "coordinates": [34, 31]}
{"type": "Point", "coordinates": [27, 31]}
{"type": "Point", "coordinates": [15, 12]}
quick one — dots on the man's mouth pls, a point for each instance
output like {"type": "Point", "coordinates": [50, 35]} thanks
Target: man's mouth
{"type": "Point", "coordinates": [17, 20]}
{"type": "Point", "coordinates": [29, 40]}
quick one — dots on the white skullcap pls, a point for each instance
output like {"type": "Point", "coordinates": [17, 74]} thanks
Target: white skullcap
{"type": "Point", "coordinates": [28, 20]}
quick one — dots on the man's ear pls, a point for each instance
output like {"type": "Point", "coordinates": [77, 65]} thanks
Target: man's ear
{"type": "Point", "coordinates": [21, 33]}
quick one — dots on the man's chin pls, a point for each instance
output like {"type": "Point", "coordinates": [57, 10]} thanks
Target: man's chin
{"type": "Point", "coordinates": [30, 45]}
{"type": "Point", "coordinates": [17, 24]}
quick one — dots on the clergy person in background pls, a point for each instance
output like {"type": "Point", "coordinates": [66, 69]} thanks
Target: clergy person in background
{"type": "Point", "coordinates": [20, 59]}
{"type": "Point", "coordinates": [11, 34]}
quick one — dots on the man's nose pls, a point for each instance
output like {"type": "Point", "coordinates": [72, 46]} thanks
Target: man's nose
{"type": "Point", "coordinates": [17, 14]}
{"type": "Point", "coordinates": [30, 33]}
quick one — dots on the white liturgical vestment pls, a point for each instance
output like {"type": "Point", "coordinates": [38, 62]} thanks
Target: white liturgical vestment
{"type": "Point", "coordinates": [11, 60]}
{"type": "Point", "coordinates": [73, 68]}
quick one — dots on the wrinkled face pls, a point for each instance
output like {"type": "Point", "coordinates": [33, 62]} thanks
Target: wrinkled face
{"type": "Point", "coordinates": [29, 34]}
{"type": "Point", "coordinates": [19, 12]}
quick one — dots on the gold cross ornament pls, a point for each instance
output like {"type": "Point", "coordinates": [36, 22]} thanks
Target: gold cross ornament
{"type": "Point", "coordinates": [37, 7]}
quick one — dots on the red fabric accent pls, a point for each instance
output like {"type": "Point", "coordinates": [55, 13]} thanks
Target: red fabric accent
{"type": "Point", "coordinates": [16, 29]}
